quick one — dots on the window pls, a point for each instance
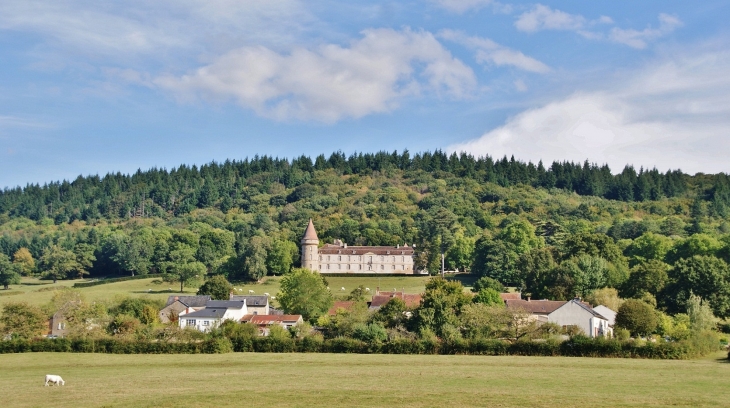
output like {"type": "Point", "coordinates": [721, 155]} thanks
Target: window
{"type": "Point", "coordinates": [382, 267]}
{"type": "Point", "coordinates": [320, 266]}
{"type": "Point", "coordinates": [328, 266]}
{"type": "Point", "coordinates": [381, 258]}
{"type": "Point", "coordinates": [339, 258]}
{"type": "Point", "coordinates": [360, 267]}
{"type": "Point", "coordinates": [206, 323]}
{"type": "Point", "coordinates": [393, 266]}
{"type": "Point", "coordinates": [328, 257]}
{"type": "Point", "coordinates": [191, 322]}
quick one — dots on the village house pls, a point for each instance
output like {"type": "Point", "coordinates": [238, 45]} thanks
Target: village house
{"type": "Point", "coordinates": [182, 304]}
{"type": "Point", "coordinates": [565, 313]}
{"type": "Point", "coordinates": [345, 305]}
{"type": "Point", "coordinates": [264, 322]}
{"type": "Point", "coordinates": [214, 313]}
{"type": "Point", "coordinates": [338, 257]}
{"type": "Point", "coordinates": [256, 304]}
{"type": "Point", "coordinates": [380, 298]}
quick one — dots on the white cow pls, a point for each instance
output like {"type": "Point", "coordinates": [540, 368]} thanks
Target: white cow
{"type": "Point", "coordinates": [250, 292]}
{"type": "Point", "coordinates": [54, 379]}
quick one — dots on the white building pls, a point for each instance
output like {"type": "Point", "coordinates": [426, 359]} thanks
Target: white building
{"type": "Point", "coordinates": [566, 313]}
{"type": "Point", "coordinates": [214, 313]}
{"type": "Point", "coordinates": [338, 257]}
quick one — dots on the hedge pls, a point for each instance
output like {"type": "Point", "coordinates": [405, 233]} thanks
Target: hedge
{"type": "Point", "coordinates": [113, 280]}
{"type": "Point", "coordinates": [578, 346]}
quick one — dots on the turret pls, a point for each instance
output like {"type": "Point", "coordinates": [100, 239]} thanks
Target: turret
{"type": "Point", "coordinates": [310, 243]}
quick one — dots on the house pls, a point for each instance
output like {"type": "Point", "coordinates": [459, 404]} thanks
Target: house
{"type": "Point", "coordinates": [182, 304]}
{"type": "Point", "coordinates": [214, 313]}
{"type": "Point", "coordinates": [264, 322]}
{"type": "Point", "coordinates": [380, 298]}
{"type": "Point", "coordinates": [607, 313]}
{"type": "Point", "coordinates": [338, 257]}
{"type": "Point", "coordinates": [340, 305]}
{"type": "Point", "coordinates": [256, 304]}
{"type": "Point", "coordinates": [511, 296]}
{"type": "Point", "coordinates": [565, 313]}
{"type": "Point", "coordinates": [57, 322]}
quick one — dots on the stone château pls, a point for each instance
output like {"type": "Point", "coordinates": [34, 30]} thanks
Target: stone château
{"type": "Point", "coordinates": [338, 257]}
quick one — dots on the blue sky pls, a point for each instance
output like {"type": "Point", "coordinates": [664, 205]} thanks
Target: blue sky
{"type": "Point", "coordinates": [91, 87]}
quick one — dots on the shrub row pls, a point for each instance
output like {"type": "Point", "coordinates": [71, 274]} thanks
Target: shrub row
{"type": "Point", "coordinates": [576, 347]}
{"type": "Point", "coordinates": [113, 280]}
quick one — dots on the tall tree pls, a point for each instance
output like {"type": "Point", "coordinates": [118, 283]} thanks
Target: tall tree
{"type": "Point", "coordinates": [24, 260]}
{"type": "Point", "coordinates": [305, 292]}
{"type": "Point", "coordinates": [8, 272]}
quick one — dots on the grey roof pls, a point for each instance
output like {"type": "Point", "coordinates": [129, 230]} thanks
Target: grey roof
{"type": "Point", "coordinates": [228, 304]}
{"type": "Point", "coordinates": [189, 301]}
{"type": "Point", "coordinates": [207, 312]}
{"type": "Point", "coordinates": [252, 300]}
{"type": "Point", "coordinates": [588, 308]}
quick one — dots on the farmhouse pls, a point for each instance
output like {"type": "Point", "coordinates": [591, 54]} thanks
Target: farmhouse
{"type": "Point", "coordinates": [338, 257]}
{"type": "Point", "coordinates": [264, 322]}
{"type": "Point", "coordinates": [565, 313]}
{"type": "Point", "coordinates": [177, 305]}
{"type": "Point", "coordinates": [256, 304]}
{"type": "Point", "coordinates": [380, 298]}
{"type": "Point", "coordinates": [214, 313]}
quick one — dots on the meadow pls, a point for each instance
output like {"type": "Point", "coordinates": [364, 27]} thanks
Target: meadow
{"type": "Point", "coordinates": [40, 292]}
{"type": "Point", "coordinates": [351, 380]}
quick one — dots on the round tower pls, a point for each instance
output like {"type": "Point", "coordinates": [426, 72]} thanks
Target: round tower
{"type": "Point", "coordinates": [310, 243]}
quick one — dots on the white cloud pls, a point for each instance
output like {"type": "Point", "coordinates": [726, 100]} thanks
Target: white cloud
{"type": "Point", "coordinates": [639, 39]}
{"type": "Point", "coordinates": [544, 18]}
{"type": "Point", "coordinates": [489, 52]}
{"type": "Point", "coordinates": [331, 81]}
{"type": "Point", "coordinates": [461, 6]}
{"type": "Point", "coordinates": [674, 114]}
{"type": "Point", "coordinates": [143, 27]}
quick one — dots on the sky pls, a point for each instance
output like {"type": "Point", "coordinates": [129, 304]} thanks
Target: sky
{"type": "Point", "coordinates": [93, 87]}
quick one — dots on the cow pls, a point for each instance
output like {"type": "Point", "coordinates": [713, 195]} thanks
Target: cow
{"type": "Point", "coordinates": [54, 379]}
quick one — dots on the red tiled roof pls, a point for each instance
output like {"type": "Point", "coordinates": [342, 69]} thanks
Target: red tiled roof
{"type": "Point", "coordinates": [511, 296]}
{"type": "Point", "coordinates": [331, 249]}
{"type": "Point", "coordinates": [536, 306]}
{"type": "Point", "coordinates": [340, 304]}
{"type": "Point", "coordinates": [269, 319]}
{"type": "Point", "coordinates": [411, 300]}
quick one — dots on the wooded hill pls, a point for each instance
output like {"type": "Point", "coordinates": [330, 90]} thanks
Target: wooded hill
{"type": "Point", "coordinates": [554, 231]}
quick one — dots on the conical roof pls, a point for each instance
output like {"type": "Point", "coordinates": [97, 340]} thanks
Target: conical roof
{"type": "Point", "coordinates": [310, 233]}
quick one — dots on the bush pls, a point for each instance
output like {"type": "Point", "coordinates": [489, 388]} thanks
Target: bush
{"type": "Point", "coordinates": [217, 345]}
{"type": "Point", "coordinates": [311, 344]}
{"type": "Point", "coordinates": [345, 345]}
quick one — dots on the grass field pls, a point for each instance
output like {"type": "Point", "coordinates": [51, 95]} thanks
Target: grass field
{"type": "Point", "coordinates": [39, 292]}
{"type": "Point", "coordinates": [340, 380]}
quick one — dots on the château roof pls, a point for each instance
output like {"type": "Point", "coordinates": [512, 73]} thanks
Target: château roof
{"type": "Point", "coordinates": [330, 249]}
{"type": "Point", "coordinates": [310, 233]}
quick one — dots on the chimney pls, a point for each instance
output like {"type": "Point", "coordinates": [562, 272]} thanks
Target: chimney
{"type": "Point", "coordinates": [528, 298]}
{"type": "Point", "coordinates": [177, 298]}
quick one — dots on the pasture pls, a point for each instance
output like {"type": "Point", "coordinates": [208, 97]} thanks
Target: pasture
{"type": "Point", "coordinates": [39, 292]}
{"type": "Point", "coordinates": [342, 380]}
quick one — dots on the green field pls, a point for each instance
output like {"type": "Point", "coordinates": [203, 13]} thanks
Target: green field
{"type": "Point", "coordinates": [341, 380]}
{"type": "Point", "coordinates": [39, 292]}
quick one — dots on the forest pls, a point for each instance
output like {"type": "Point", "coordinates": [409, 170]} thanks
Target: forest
{"type": "Point", "coordinates": [555, 232]}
